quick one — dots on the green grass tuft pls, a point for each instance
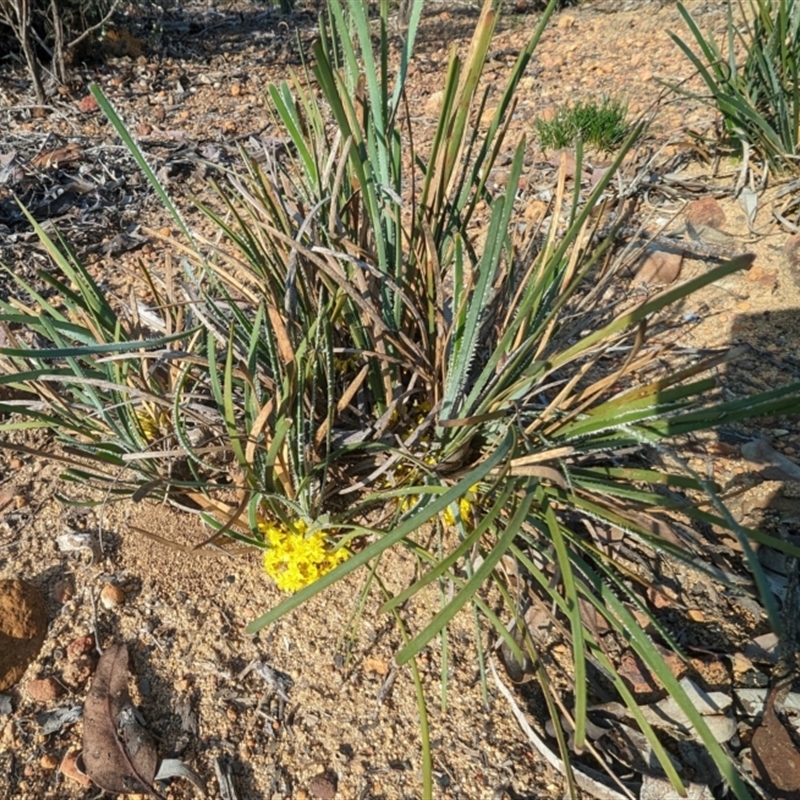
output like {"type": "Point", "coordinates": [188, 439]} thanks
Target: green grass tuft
{"type": "Point", "coordinates": [602, 125]}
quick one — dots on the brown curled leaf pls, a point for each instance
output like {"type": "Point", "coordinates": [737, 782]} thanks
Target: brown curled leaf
{"type": "Point", "coordinates": [775, 757]}
{"type": "Point", "coordinates": [118, 753]}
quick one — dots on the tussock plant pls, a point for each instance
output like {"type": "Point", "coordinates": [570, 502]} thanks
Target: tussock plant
{"type": "Point", "coordinates": [754, 85]}
{"type": "Point", "coordinates": [602, 125]}
{"type": "Point", "coordinates": [355, 365]}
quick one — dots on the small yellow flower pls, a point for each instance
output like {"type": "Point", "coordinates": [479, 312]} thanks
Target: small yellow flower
{"type": "Point", "coordinates": [153, 421]}
{"type": "Point", "coordinates": [465, 505]}
{"type": "Point", "coordinates": [464, 509]}
{"type": "Point", "coordinates": [347, 363]}
{"type": "Point", "coordinates": [294, 560]}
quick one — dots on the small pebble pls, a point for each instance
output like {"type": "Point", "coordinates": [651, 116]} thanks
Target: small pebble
{"type": "Point", "coordinates": [48, 761]}
{"type": "Point", "coordinates": [377, 665]}
{"type": "Point", "coordinates": [323, 786]}
{"type": "Point", "coordinates": [16, 463]}
{"type": "Point", "coordinates": [63, 591]}
{"type": "Point", "coordinates": [111, 596]}
{"type": "Point", "coordinates": [8, 737]}
{"type": "Point", "coordinates": [705, 211]}
{"type": "Point", "coordinates": [79, 647]}
{"type": "Point", "coordinates": [696, 615]}
{"type": "Point", "coordinates": [44, 690]}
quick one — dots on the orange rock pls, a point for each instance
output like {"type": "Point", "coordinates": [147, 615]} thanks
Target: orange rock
{"type": "Point", "coordinates": [88, 104]}
{"type": "Point", "coordinates": [762, 276]}
{"type": "Point", "coordinates": [658, 267]}
{"type": "Point", "coordinates": [44, 690]}
{"type": "Point", "coordinates": [77, 672]}
{"type": "Point", "coordinates": [79, 647]}
{"type": "Point", "coordinates": [48, 761]}
{"type": "Point", "coordinates": [23, 626]}
{"type": "Point", "coordinates": [111, 596]}
{"type": "Point", "coordinates": [376, 665]}
{"type": "Point", "coordinates": [705, 211]}
{"type": "Point", "coordinates": [661, 597]}
{"type": "Point", "coordinates": [636, 675]}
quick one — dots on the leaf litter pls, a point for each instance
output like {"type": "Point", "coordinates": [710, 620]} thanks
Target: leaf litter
{"type": "Point", "coordinates": [118, 752]}
{"type": "Point", "coordinates": [776, 759]}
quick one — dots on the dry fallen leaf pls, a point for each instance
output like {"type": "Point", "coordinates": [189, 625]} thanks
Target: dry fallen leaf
{"type": "Point", "coordinates": [71, 768]}
{"type": "Point", "coordinates": [780, 468]}
{"type": "Point", "coordinates": [118, 752]}
{"type": "Point", "coordinates": [776, 759]}
{"type": "Point", "coordinates": [59, 157]}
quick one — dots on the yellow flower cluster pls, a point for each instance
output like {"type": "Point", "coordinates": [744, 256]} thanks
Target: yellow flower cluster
{"type": "Point", "coordinates": [294, 560]}
{"type": "Point", "coordinates": [448, 518]}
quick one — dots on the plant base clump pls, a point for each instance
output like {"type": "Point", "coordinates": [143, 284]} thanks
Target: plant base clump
{"type": "Point", "coordinates": [755, 84]}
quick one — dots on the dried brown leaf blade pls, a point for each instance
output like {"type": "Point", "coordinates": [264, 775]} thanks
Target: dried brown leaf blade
{"type": "Point", "coordinates": [119, 754]}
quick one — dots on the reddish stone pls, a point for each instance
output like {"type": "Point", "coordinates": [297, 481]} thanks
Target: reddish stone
{"type": "Point", "coordinates": [44, 690]}
{"type": "Point", "coordinates": [638, 678]}
{"type": "Point", "coordinates": [77, 672]}
{"type": "Point", "coordinates": [323, 786]}
{"type": "Point", "coordinates": [706, 212]}
{"type": "Point", "coordinates": [80, 647]}
{"type": "Point", "coordinates": [658, 267]}
{"type": "Point", "coordinates": [88, 104]}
